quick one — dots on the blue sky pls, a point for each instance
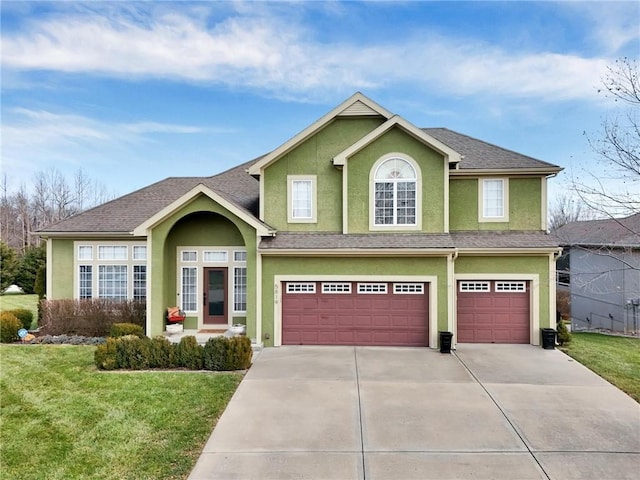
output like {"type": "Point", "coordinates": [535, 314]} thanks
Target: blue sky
{"type": "Point", "coordinates": [135, 92]}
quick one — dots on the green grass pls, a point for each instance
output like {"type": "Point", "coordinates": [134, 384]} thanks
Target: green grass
{"type": "Point", "coordinates": [616, 359]}
{"type": "Point", "coordinates": [13, 301]}
{"type": "Point", "coordinates": [63, 419]}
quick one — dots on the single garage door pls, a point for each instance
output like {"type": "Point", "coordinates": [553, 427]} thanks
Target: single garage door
{"type": "Point", "coordinates": [493, 312]}
{"type": "Point", "coordinates": [355, 313]}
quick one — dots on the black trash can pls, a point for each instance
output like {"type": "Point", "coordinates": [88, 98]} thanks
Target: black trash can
{"type": "Point", "coordinates": [548, 338]}
{"type": "Point", "coordinates": [445, 342]}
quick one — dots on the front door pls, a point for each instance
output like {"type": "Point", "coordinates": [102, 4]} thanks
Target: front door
{"type": "Point", "coordinates": [215, 296]}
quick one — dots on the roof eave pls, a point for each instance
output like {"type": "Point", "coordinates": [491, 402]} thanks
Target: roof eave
{"type": "Point", "coordinates": [472, 172]}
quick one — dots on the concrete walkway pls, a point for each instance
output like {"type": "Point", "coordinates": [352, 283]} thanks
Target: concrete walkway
{"type": "Point", "coordinates": [489, 411]}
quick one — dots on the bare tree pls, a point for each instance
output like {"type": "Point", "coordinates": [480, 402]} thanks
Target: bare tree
{"type": "Point", "coordinates": [617, 147]}
{"type": "Point", "coordinates": [567, 209]}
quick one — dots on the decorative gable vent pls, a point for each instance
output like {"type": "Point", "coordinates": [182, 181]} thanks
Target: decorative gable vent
{"type": "Point", "coordinates": [358, 109]}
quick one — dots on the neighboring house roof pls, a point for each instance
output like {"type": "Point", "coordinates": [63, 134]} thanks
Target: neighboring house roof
{"type": "Point", "coordinates": [612, 232]}
{"type": "Point", "coordinates": [462, 240]}
{"type": "Point", "coordinates": [125, 213]}
{"type": "Point", "coordinates": [479, 155]}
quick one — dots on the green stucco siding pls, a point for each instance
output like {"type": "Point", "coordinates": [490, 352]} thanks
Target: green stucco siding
{"type": "Point", "coordinates": [202, 222]}
{"type": "Point", "coordinates": [62, 272]}
{"type": "Point", "coordinates": [374, 266]}
{"type": "Point", "coordinates": [515, 265]}
{"type": "Point", "coordinates": [525, 205]}
{"type": "Point", "coordinates": [313, 157]}
{"type": "Point", "coordinates": [431, 164]}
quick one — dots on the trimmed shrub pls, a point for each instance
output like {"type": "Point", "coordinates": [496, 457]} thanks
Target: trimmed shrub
{"type": "Point", "coordinates": [122, 329]}
{"type": "Point", "coordinates": [91, 318]}
{"type": "Point", "coordinates": [25, 316]}
{"type": "Point", "coordinates": [189, 354]}
{"type": "Point", "coordinates": [563, 333]}
{"type": "Point", "coordinates": [162, 353]}
{"type": "Point", "coordinates": [215, 353]}
{"type": "Point", "coordinates": [224, 354]}
{"type": "Point", "coordinates": [133, 352]}
{"type": "Point", "coordinates": [9, 326]}
{"type": "Point", "coordinates": [105, 356]}
{"type": "Point", "coordinates": [240, 353]}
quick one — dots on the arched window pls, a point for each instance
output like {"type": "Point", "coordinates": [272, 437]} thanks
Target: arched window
{"type": "Point", "coordinates": [395, 183]}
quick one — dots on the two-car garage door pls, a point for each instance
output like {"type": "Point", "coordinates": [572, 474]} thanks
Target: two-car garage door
{"type": "Point", "coordinates": [355, 313]}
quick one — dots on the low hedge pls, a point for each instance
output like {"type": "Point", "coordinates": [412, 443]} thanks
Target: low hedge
{"type": "Point", "coordinates": [90, 318]}
{"type": "Point", "coordinates": [137, 353]}
{"type": "Point", "coordinates": [122, 329]}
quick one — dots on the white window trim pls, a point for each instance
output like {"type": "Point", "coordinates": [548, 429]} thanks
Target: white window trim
{"type": "Point", "coordinates": [223, 253]}
{"type": "Point", "coordinates": [343, 288]}
{"type": "Point", "coordinates": [482, 218]}
{"type": "Point", "coordinates": [372, 194]}
{"type": "Point", "coordinates": [376, 288]}
{"type": "Point", "coordinates": [469, 286]}
{"type": "Point", "coordinates": [96, 262]}
{"type": "Point", "coordinates": [235, 260]}
{"type": "Point", "coordinates": [410, 288]}
{"type": "Point", "coordinates": [121, 245]}
{"type": "Point", "coordinates": [79, 258]}
{"type": "Point", "coordinates": [301, 287]}
{"type": "Point", "coordinates": [511, 287]}
{"type": "Point", "coordinates": [181, 286]}
{"type": "Point", "coordinates": [246, 288]}
{"type": "Point", "coordinates": [182, 260]}
{"type": "Point", "coordinates": [314, 198]}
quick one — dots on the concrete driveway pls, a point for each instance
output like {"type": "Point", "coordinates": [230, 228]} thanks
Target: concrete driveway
{"type": "Point", "coordinates": [489, 411]}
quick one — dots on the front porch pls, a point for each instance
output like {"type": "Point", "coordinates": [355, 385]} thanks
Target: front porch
{"type": "Point", "coordinates": [203, 335]}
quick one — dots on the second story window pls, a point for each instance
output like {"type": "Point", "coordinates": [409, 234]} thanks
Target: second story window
{"type": "Point", "coordinates": [493, 200]}
{"type": "Point", "coordinates": [395, 185]}
{"type": "Point", "coordinates": [301, 198]}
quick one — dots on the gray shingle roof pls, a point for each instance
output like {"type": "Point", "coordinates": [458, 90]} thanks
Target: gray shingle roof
{"type": "Point", "coordinates": [482, 155]}
{"type": "Point", "coordinates": [127, 212]}
{"type": "Point", "coordinates": [475, 239]}
{"type": "Point", "coordinates": [613, 232]}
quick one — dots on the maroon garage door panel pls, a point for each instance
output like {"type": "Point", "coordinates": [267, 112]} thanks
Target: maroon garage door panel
{"type": "Point", "coordinates": [354, 319]}
{"type": "Point", "coordinates": [493, 317]}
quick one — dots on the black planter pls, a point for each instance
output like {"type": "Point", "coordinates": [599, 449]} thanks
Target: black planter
{"type": "Point", "coordinates": [445, 342]}
{"type": "Point", "coordinates": [548, 338]}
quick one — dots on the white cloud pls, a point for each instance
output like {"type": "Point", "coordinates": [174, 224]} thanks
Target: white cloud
{"type": "Point", "coordinates": [277, 55]}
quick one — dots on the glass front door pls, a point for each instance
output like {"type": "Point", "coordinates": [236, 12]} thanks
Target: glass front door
{"type": "Point", "coordinates": [215, 296]}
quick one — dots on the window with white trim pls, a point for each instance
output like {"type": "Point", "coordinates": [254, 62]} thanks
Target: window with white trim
{"type": "Point", "coordinates": [240, 289]}
{"type": "Point", "coordinates": [372, 288]}
{"type": "Point", "coordinates": [494, 200]}
{"type": "Point", "coordinates": [139, 252]}
{"type": "Point", "coordinates": [336, 287]}
{"type": "Point", "coordinates": [140, 283]}
{"type": "Point", "coordinates": [408, 288]}
{"type": "Point", "coordinates": [214, 256]}
{"type": "Point", "coordinates": [110, 270]}
{"type": "Point", "coordinates": [469, 286]}
{"type": "Point", "coordinates": [240, 256]}
{"type": "Point", "coordinates": [395, 196]}
{"type": "Point", "coordinates": [301, 287]}
{"type": "Point", "coordinates": [112, 282]}
{"type": "Point", "coordinates": [189, 289]}
{"type": "Point", "coordinates": [301, 198]}
{"type": "Point", "coordinates": [85, 252]}
{"type": "Point", "coordinates": [511, 286]}
{"type": "Point", "coordinates": [85, 282]}
{"type": "Point", "coordinates": [112, 252]}
{"type": "Point", "coordinates": [189, 256]}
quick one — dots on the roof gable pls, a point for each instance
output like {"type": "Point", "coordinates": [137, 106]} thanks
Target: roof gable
{"type": "Point", "coordinates": [356, 105]}
{"type": "Point", "coordinates": [396, 121]}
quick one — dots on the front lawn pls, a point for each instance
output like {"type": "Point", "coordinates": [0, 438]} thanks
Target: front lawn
{"type": "Point", "coordinates": [14, 301]}
{"type": "Point", "coordinates": [63, 419]}
{"type": "Point", "coordinates": [616, 359]}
